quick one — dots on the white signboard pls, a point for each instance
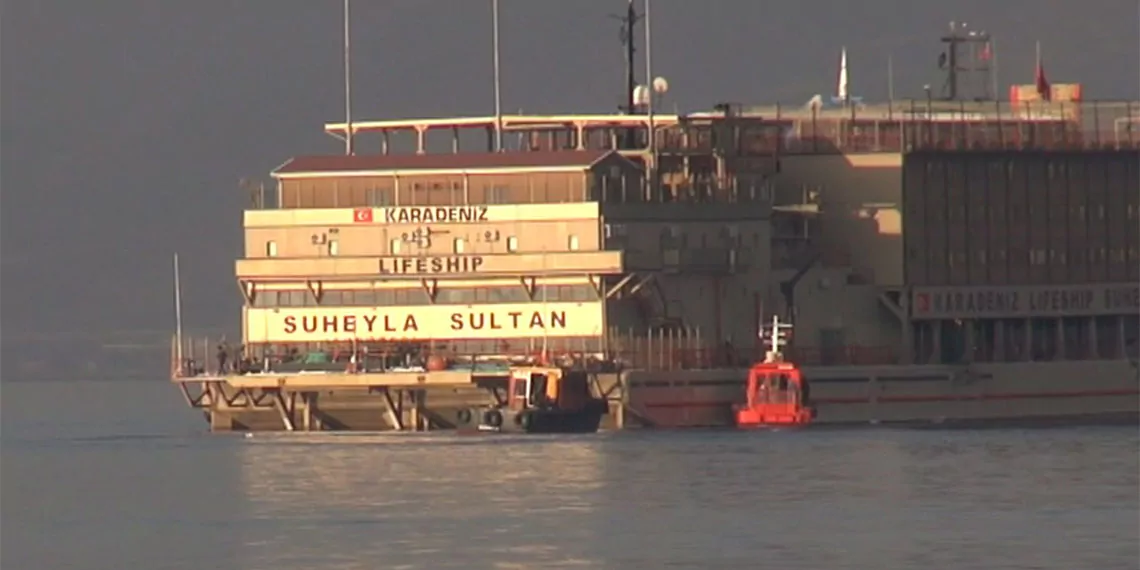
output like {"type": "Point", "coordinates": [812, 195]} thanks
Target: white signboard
{"type": "Point", "coordinates": [430, 322]}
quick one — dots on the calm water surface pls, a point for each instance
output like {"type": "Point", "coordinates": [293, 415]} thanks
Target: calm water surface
{"type": "Point", "coordinates": [121, 475]}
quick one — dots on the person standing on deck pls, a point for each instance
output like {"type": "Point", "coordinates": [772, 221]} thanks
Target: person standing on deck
{"type": "Point", "coordinates": [223, 356]}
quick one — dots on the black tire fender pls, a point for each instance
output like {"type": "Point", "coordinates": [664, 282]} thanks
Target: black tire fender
{"type": "Point", "coordinates": [493, 418]}
{"type": "Point", "coordinates": [464, 416]}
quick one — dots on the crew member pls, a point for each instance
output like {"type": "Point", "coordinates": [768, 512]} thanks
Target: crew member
{"type": "Point", "coordinates": [223, 356]}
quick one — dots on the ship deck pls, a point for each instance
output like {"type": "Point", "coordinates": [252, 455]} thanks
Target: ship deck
{"type": "Point", "coordinates": [334, 380]}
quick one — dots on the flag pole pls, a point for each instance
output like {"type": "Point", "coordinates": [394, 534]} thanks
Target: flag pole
{"type": "Point", "coordinates": [649, 81]}
{"type": "Point", "coordinates": [498, 97]}
{"type": "Point", "coordinates": [178, 309]}
{"type": "Point", "coordinates": [890, 78]}
{"type": "Point", "coordinates": [347, 86]}
{"type": "Point", "coordinates": [994, 68]}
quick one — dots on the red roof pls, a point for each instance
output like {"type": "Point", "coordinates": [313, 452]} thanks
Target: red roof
{"type": "Point", "coordinates": [442, 161]}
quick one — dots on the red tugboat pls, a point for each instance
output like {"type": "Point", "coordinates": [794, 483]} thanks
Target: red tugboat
{"type": "Point", "coordinates": [777, 394]}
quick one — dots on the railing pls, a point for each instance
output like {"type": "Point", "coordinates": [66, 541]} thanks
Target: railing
{"type": "Point", "coordinates": [667, 352]}
{"type": "Point", "coordinates": [912, 125]}
{"type": "Point", "coordinates": [663, 350]}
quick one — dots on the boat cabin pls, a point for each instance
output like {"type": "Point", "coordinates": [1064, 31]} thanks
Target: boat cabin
{"type": "Point", "coordinates": [542, 387]}
{"type": "Point", "coordinates": [776, 395]}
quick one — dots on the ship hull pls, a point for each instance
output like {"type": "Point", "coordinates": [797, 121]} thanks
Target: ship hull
{"type": "Point", "coordinates": [1006, 393]}
{"type": "Point", "coordinates": [535, 421]}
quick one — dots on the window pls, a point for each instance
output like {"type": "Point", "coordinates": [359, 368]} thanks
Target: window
{"type": "Point", "coordinates": [394, 246]}
{"type": "Point", "coordinates": [379, 196]}
{"type": "Point", "coordinates": [512, 244]}
{"type": "Point", "coordinates": [334, 247]}
{"type": "Point", "coordinates": [459, 245]}
{"type": "Point", "coordinates": [270, 248]}
{"type": "Point", "coordinates": [734, 235]}
{"type": "Point", "coordinates": [573, 243]}
{"type": "Point", "coordinates": [497, 194]}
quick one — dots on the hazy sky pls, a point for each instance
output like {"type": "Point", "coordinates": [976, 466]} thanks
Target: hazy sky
{"type": "Point", "coordinates": [126, 124]}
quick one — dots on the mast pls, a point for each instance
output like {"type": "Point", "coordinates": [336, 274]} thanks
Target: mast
{"type": "Point", "coordinates": [630, 49]}
{"type": "Point", "coordinates": [498, 99]}
{"type": "Point", "coordinates": [347, 85]}
{"type": "Point", "coordinates": [177, 311]}
{"type": "Point", "coordinates": [649, 83]}
{"type": "Point", "coordinates": [890, 78]}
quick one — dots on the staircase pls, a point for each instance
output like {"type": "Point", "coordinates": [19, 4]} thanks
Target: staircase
{"type": "Point", "coordinates": [654, 311]}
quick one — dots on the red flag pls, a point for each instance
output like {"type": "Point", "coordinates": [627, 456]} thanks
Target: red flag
{"type": "Point", "coordinates": [987, 52]}
{"type": "Point", "coordinates": [1043, 88]}
{"type": "Point", "coordinates": [362, 215]}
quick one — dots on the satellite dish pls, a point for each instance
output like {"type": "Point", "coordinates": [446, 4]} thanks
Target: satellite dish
{"type": "Point", "coordinates": [660, 85]}
{"type": "Point", "coordinates": [641, 95]}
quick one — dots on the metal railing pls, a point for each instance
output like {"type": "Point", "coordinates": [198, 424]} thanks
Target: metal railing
{"type": "Point", "coordinates": [914, 124]}
{"type": "Point", "coordinates": [677, 349]}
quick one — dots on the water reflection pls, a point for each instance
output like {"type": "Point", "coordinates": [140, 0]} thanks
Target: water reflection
{"type": "Point", "coordinates": [434, 501]}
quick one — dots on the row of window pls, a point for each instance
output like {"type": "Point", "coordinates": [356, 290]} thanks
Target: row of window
{"type": "Point", "coordinates": [397, 245]}
{"type": "Point", "coordinates": [981, 340]}
{"type": "Point", "coordinates": [995, 212]}
{"type": "Point", "coordinates": [381, 197]}
{"type": "Point", "coordinates": [670, 238]}
{"type": "Point", "coordinates": [1037, 256]}
{"type": "Point", "coordinates": [1052, 168]}
{"type": "Point", "coordinates": [419, 296]}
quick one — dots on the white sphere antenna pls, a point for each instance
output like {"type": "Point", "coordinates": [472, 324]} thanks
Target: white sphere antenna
{"type": "Point", "coordinates": [641, 95]}
{"type": "Point", "coordinates": [660, 85]}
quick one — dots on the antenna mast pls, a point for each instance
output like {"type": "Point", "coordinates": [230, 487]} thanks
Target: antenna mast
{"type": "Point", "coordinates": [178, 311]}
{"type": "Point", "coordinates": [347, 85]}
{"type": "Point", "coordinates": [649, 80]}
{"type": "Point", "coordinates": [628, 39]}
{"type": "Point", "coordinates": [498, 99]}
{"type": "Point", "coordinates": [777, 339]}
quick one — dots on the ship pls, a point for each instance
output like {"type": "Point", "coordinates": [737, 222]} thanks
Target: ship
{"type": "Point", "coordinates": [943, 261]}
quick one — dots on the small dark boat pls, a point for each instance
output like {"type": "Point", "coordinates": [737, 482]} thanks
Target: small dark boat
{"type": "Point", "coordinates": [541, 400]}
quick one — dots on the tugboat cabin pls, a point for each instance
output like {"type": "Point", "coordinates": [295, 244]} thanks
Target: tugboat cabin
{"type": "Point", "coordinates": [776, 395]}
{"type": "Point", "coordinates": [548, 387]}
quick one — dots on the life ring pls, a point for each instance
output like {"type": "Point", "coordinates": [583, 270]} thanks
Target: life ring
{"type": "Point", "coordinates": [493, 418]}
{"type": "Point", "coordinates": [464, 416]}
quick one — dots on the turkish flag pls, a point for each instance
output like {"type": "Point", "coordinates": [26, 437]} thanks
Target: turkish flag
{"type": "Point", "coordinates": [923, 302]}
{"type": "Point", "coordinates": [987, 52]}
{"type": "Point", "coordinates": [1043, 87]}
{"type": "Point", "coordinates": [362, 215]}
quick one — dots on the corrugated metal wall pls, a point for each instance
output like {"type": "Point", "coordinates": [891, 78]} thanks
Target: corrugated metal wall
{"type": "Point", "coordinates": [1021, 218]}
